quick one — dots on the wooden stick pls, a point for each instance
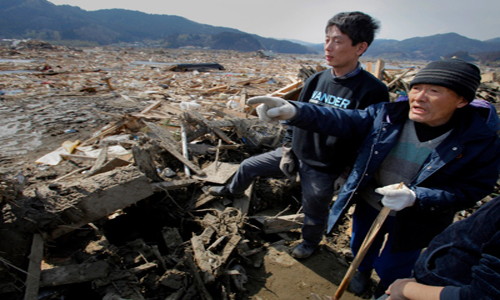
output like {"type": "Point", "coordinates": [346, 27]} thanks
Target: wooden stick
{"type": "Point", "coordinates": [185, 149]}
{"type": "Point", "coordinates": [217, 156]}
{"type": "Point", "coordinates": [367, 242]}
{"type": "Point", "coordinates": [370, 237]}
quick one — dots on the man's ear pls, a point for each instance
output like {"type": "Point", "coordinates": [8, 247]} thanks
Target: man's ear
{"type": "Point", "coordinates": [361, 48]}
{"type": "Point", "coordinates": [462, 102]}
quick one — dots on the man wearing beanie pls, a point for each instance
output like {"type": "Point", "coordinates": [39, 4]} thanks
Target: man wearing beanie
{"type": "Point", "coordinates": [440, 143]}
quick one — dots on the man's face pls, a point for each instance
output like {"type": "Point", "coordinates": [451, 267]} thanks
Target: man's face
{"type": "Point", "coordinates": [433, 105]}
{"type": "Point", "coordinates": [339, 51]}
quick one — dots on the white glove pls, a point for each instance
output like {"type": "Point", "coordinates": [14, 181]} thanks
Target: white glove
{"type": "Point", "coordinates": [273, 108]}
{"type": "Point", "coordinates": [288, 162]}
{"type": "Point", "coordinates": [396, 198]}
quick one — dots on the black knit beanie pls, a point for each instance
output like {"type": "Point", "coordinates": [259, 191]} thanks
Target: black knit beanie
{"type": "Point", "coordinates": [458, 75]}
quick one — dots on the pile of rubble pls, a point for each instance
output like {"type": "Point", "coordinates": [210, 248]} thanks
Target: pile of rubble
{"type": "Point", "coordinates": [121, 212]}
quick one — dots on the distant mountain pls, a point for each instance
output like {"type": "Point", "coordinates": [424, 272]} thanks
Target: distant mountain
{"type": "Point", "coordinates": [40, 19]}
{"type": "Point", "coordinates": [430, 47]}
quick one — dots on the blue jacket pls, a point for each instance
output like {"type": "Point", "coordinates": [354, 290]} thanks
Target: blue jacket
{"type": "Point", "coordinates": [465, 258]}
{"type": "Point", "coordinates": [459, 172]}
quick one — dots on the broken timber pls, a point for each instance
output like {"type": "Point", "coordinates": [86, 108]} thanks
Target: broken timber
{"type": "Point", "coordinates": [100, 197]}
{"type": "Point", "coordinates": [74, 273]}
{"type": "Point", "coordinates": [165, 142]}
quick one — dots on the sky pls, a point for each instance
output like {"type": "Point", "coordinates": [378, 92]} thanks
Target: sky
{"type": "Point", "coordinates": [305, 20]}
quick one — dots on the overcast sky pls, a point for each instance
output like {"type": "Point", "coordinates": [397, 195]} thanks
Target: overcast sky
{"type": "Point", "coordinates": [305, 19]}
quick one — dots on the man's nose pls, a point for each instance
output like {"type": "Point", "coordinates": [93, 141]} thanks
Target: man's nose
{"type": "Point", "coordinates": [419, 95]}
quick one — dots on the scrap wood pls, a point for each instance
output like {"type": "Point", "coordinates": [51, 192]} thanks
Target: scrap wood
{"type": "Point", "coordinates": [288, 88]}
{"type": "Point", "coordinates": [163, 134]}
{"type": "Point", "coordinates": [203, 199]}
{"type": "Point", "coordinates": [198, 118]}
{"type": "Point", "coordinates": [198, 281]}
{"type": "Point", "coordinates": [206, 261]}
{"type": "Point", "coordinates": [34, 268]}
{"type": "Point", "coordinates": [106, 130]}
{"type": "Point", "coordinates": [377, 71]}
{"type": "Point", "coordinates": [280, 223]}
{"type": "Point", "coordinates": [143, 267]}
{"type": "Point", "coordinates": [74, 273]}
{"type": "Point", "coordinates": [98, 197]}
{"type": "Point", "coordinates": [152, 106]}
{"type": "Point", "coordinates": [253, 80]}
{"type": "Point", "coordinates": [108, 83]}
{"type": "Point", "coordinates": [101, 159]}
{"type": "Point", "coordinates": [185, 151]}
{"type": "Point", "coordinates": [229, 247]}
{"type": "Point", "coordinates": [227, 112]}
{"type": "Point", "coordinates": [144, 161]}
{"type": "Point", "coordinates": [166, 144]}
{"type": "Point", "coordinates": [398, 78]}
{"type": "Point", "coordinates": [79, 170]}
{"type": "Point", "coordinates": [76, 156]}
{"type": "Point", "coordinates": [218, 88]}
{"type": "Point", "coordinates": [159, 110]}
{"type": "Point", "coordinates": [218, 172]}
{"type": "Point", "coordinates": [111, 164]}
{"type": "Point", "coordinates": [209, 231]}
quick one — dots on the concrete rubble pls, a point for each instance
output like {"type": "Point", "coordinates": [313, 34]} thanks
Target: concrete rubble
{"type": "Point", "coordinates": [122, 212]}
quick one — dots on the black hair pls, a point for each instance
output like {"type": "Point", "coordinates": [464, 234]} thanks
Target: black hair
{"type": "Point", "coordinates": [359, 26]}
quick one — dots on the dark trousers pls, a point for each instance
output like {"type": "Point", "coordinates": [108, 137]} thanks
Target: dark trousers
{"type": "Point", "coordinates": [317, 189]}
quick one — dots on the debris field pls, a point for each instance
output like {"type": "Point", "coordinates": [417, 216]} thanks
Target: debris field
{"type": "Point", "coordinates": [107, 154]}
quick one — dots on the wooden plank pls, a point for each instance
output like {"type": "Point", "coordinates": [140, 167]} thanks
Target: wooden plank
{"type": "Point", "coordinates": [216, 89]}
{"type": "Point", "coordinates": [75, 156]}
{"type": "Point", "coordinates": [203, 199]}
{"type": "Point", "coordinates": [98, 197]}
{"type": "Point", "coordinates": [218, 172]}
{"type": "Point", "coordinates": [390, 84]}
{"type": "Point", "coordinates": [229, 247]}
{"type": "Point", "coordinates": [111, 165]}
{"type": "Point", "coordinates": [34, 268]}
{"type": "Point", "coordinates": [74, 273]}
{"type": "Point", "coordinates": [286, 89]}
{"type": "Point", "coordinates": [204, 259]}
{"type": "Point", "coordinates": [379, 68]}
{"type": "Point", "coordinates": [155, 105]}
{"type": "Point", "coordinates": [101, 159]}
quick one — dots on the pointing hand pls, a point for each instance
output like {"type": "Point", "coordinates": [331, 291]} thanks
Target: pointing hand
{"type": "Point", "coordinates": [273, 108]}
